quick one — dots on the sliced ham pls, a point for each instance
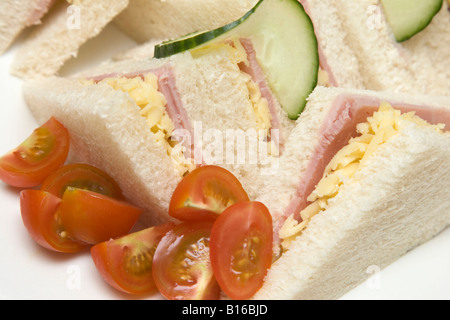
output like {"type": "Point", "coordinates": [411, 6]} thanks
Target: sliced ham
{"type": "Point", "coordinates": [258, 76]}
{"type": "Point", "coordinates": [175, 109]}
{"type": "Point", "coordinates": [338, 128]}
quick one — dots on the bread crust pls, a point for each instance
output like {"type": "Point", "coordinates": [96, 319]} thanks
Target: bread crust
{"type": "Point", "coordinates": [395, 203]}
{"type": "Point", "coordinates": [147, 20]}
{"type": "Point", "coordinates": [18, 15]}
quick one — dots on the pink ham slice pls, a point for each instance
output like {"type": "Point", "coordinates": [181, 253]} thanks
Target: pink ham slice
{"type": "Point", "coordinates": [174, 107]}
{"type": "Point", "coordinates": [256, 72]}
{"type": "Point", "coordinates": [337, 129]}
{"type": "Point", "coordinates": [40, 9]}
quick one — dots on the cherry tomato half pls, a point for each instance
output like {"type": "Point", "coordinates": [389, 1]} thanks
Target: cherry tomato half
{"type": "Point", "coordinates": [38, 211]}
{"type": "Point", "coordinates": [81, 176]}
{"type": "Point", "coordinates": [126, 263]}
{"type": "Point", "coordinates": [241, 249]}
{"type": "Point", "coordinates": [181, 265]}
{"type": "Point", "coordinates": [44, 151]}
{"type": "Point", "coordinates": [205, 193]}
{"type": "Point", "coordinates": [93, 218]}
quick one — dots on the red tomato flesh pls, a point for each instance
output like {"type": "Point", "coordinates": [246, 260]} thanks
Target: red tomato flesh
{"type": "Point", "coordinates": [38, 210]}
{"type": "Point", "coordinates": [44, 151]}
{"type": "Point", "coordinates": [181, 264]}
{"type": "Point", "coordinates": [205, 193]}
{"type": "Point", "coordinates": [93, 218]}
{"type": "Point", "coordinates": [241, 249]}
{"type": "Point", "coordinates": [81, 176]}
{"type": "Point", "coordinates": [126, 263]}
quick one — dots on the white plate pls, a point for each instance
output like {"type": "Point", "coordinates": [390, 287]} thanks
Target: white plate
{"type": "Point", "coordinates": [30, 272]}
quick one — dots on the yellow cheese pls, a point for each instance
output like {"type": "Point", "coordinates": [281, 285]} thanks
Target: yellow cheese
{"type": "Point", "coordinates": [152, 103]}
{"type": "Point", "coordinates": [260, 107]}
{"type": "Point", "coordinates": [323, 78]}
{"type": "Point", "coordinates": [376, 131]}
{"type": "Point", "coordinates": [235, 52]}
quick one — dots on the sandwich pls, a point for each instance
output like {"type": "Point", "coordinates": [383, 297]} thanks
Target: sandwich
{"type": "Point", "coordinates": [67, 26]}
{"type": "Point", "coordinates": [17, 16]}
{"type": "Point", "coordinates": [149, 20]}
{"type": "Point", "coordinates": [360, 184]}
{"type": "Point", "coordinates": [148, 123]}
{"type": "Point", "coordinates": [400, 45]}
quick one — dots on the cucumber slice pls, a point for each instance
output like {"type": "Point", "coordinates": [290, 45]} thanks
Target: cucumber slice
{"type": "Point", "coordinates": [409, 17]}
{"type": "Point", "coordinates": [285, 44]}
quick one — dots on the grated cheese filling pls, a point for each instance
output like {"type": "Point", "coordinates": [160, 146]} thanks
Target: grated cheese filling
{"type": "Point", "coordinates": [371, 134]}
{"type": "Point", "coordinates": [152, 103]}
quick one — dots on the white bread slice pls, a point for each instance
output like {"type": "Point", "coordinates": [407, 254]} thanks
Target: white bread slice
{"type": "Point", "coordinates": [306, 134]}
{"type": "Point", "coordinates": [63, 31]}
{"type": "Point", "coordinates": [146, 20]}
{"type": "Point", "coordinates": [107, 131]}
{"type": "Point", "coordinates": [419, 65]}
{"type": "Point", "coordinates": [334, 48]}
{"type": "Point", "coordinates": [18, 15]}
{"type": "Point", "coordinates": [214, 94]}
{"type": "Point", "coordinates": [396, 202]}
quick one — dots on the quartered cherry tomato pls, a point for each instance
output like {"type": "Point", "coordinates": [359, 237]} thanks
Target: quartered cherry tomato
{"type": "Point", "coordinates": [181, 264]}
{"type": "Point", "coordinates": [93, 218]}
{"type": "Point", "coordinates": [44, 151]}
{"type": "Point", "coordinates": [205, 193]}
{"type": "Point", "coordinates": [38, 211]}
{"type": "Point", "coordinates": [126, 263]}
{"type": "Point", "coordinates": [81, 176]}
{"type": "Point", "coordinates": [241, 249]}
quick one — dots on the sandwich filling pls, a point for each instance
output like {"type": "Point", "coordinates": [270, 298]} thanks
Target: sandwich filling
{"type": "Point", "coordinates": [373, 133]}
{"type": "Point", "coordinates": [144, 90]}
